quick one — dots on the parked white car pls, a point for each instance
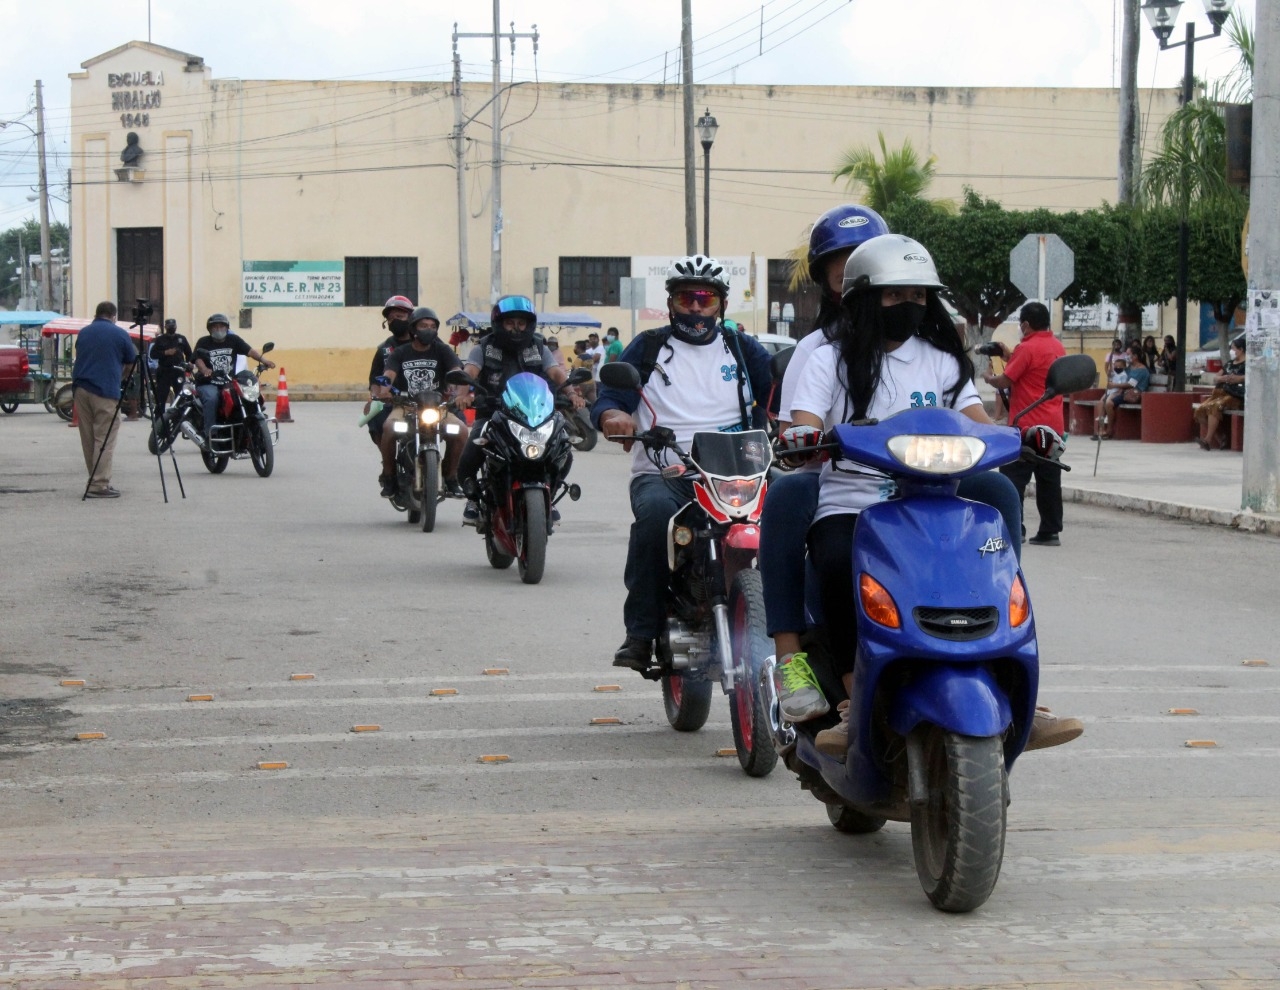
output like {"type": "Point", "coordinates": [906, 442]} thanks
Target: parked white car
{"type": "Point", "coordinates": [774, 342]}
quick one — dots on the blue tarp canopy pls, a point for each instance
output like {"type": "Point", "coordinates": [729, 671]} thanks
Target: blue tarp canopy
{"type": "Point", "coordinates": [473, 321]}
{"type": "Point", "coordinates": [27, 317]}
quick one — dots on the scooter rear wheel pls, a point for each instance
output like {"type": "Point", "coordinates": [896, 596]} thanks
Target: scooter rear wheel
{"type": "Point", "coordinates": [687, 702]}
{"type": "Point", "coordinates": [851, 822]}
{"type": "Point", "coordinates": [747, 705]}
{"type": "Point", "coordinates": [957, 836]}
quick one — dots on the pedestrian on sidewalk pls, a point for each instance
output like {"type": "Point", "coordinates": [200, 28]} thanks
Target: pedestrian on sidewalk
{"type": "Point", "coordinates": [105, 356]}
{"type": "Point", "coordinates": [1024, 375]}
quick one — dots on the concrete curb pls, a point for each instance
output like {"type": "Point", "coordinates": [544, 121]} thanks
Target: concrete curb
{"type": "Point", "coordinates": [1245, 520]}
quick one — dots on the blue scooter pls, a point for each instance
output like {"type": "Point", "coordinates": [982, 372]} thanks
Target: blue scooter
{"type": "Point", "coordinates": [946, 671]}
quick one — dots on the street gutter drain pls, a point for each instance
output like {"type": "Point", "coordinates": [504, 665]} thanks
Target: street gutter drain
{"type": "Point", "coordinates": [302, 677]}
{"type": "Point", "coordinates": [496, 671]}
{"type": "Point", "coordinates": [366, 728]}
{"type": "Point", "coordinates": [1183, 711]}
{"type": "Point", "coordinates": [273, 765]}
{"type": "Point", "coordinates": [71, 682]}
{"type": "Point", "coordinates": [606, 720]}
{"type": "Point", "coordinates": [608, 687]}
{"type": "Point", "coordinates": [494, 758]}
{"type": "Point", "coordinates": [88, 736]}
{"type": "Point", "coordinates": [1200, 744]}
{"type": "Point", "coordinates": [443, 692]}
{"type": "Point", "coordinates": [199, 697]}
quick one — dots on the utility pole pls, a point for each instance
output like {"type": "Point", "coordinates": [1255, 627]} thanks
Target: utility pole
{"type": "Point", "coordinates": [495, 264]}
{"type": "Point", "coordinates": [690, 173]}
{"type": "Point", "coordinates": [46, 261]}
{"type": "Point", "coordinates": [1129, 163]}
{"type": "Point", "coordinates": [1261, 479]}
{"type": "Point", "coordinates": [459, 154]}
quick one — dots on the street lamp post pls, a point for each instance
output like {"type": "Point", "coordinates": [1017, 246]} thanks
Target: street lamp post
{"type": "Point", "coordinates": [1161, 15]}
{"type": "Point", "coordinates": [707, 128]}
{"type": "Point", "coordinates": [46, 288]}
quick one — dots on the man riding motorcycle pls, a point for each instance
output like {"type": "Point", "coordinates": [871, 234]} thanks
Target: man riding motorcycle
{"type": "Point", "coordinates": [700, 373]}
{"type": "Point", "coordinates": [420, 366]}
{"type": "Point", "coordinates": [395, 317]}
{"type": "Point", "coordinates": [215, 354]}
{"type": "Point", "coordinates": [510, 347]}
{"type": "Point", "coordinates": [169, 351]}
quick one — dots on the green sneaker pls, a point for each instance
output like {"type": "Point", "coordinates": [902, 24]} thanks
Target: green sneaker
{"type": "Point", "coordinates": [799, 696]}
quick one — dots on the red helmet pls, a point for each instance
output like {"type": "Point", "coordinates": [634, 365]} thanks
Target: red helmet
{"type": "Point", "coordinates": [397, 302]}
{"type": "Point", "coordinates": [1044, 441]}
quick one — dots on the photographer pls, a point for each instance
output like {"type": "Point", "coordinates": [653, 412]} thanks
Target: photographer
{"type": "Point", "coordinates": [170, 351]}
{"type": "Point", "coordinates": [105, 355]}
{"type": "Point", "coordinates": [215, 354]}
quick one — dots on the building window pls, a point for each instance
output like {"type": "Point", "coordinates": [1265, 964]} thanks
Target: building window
{"type": "Point", "coordinates": [803, 300]}
{"type": "Point", "coordinates": [592, 281]}
{"type": "Point", "coordinates": [372, 281]}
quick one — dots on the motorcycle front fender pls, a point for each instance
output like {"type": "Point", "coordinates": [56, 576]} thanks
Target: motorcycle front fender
{"type": "Point", "coordinates": [964, 699]}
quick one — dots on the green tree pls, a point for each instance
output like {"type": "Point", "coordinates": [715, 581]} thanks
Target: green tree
{"type": "Point", "coordinates": [886, 179]}
{"type": "Point", "coordinates": [17, 241]}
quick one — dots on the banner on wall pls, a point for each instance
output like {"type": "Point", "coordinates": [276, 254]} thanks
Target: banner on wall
{"type": "Point", "coordinates": [292, 283]}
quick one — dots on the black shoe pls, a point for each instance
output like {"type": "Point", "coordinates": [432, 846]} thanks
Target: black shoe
{"type": "Point", "coordinates": [1045, 540]}
{"type": "Point", "coordinates": [635, 653]}
{"type": "Point", "coordinates": [452, 487]}
{"type": "Point", "coordinates": [388, 484]}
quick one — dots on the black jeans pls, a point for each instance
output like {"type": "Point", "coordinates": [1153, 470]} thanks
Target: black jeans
{"type": "Point", "coordinates": [1048, 491]}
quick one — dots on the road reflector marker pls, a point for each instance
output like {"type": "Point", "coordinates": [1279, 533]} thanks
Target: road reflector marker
{"type": "Point", "coordinates": [496, 671]}
{"type": "Point", "coordinates": [1200, 744]}
{"type": "Point", "coordinates": [1183, 711]}
{"type": "Point", "coordinates": [366, 728]}
{"type": "Point", "coordinates": [608, 687]}
{"type": "Point", "coordinates": [1254, 663]}
{"type": "Point", "coordinates": [606, 720]}
{"type": "Point", "coordinates": [494, 758]}
{"type": "Point", "coordinates": [302, 677]}
{"type": "Point", "coordinates": [199, 697]}
{"type": "Point", "coordinates": [71, 682]}
{"type": "Point", "coordinates": [443, 692]}
{"type": "Point", "coordinates": [87, 736]}
{"type": "Point", "coordinates": [726, 752]}
{"type": "Point", "coordinates": [273, 765]}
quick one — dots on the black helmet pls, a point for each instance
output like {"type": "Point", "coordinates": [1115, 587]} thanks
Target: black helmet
{"type": "Point", "coordinates": [514, 306]}
{"type": "Point", "coordinates": [424, 313]}
{"type": "Point", "coordinates": [217, 318]}
{"type": "Point", "coordinates": [170, 326]}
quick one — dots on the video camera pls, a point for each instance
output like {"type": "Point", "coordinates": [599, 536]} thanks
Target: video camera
{"type": "Point", "coordinates": [990, 349]}
{"type": "Point", "coordinates": [142, 312]}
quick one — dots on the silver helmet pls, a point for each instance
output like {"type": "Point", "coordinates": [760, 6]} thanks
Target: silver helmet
{"type": "Point", "coordinates": [698, 269]}
{"type": "Point", "coordinates": [890, 259]}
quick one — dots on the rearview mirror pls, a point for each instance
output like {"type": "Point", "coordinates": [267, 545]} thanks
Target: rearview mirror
{"type": "Point", "coordinates": [619, 374]}
{"type": "Point", "coordinates": [268, 346]}
{"type": "Point", "coordinates": [459, 377]}
{"type": "Point", "coordinates": [1073, 373]}
{"type": "Point", "coordinates": [579, 375]}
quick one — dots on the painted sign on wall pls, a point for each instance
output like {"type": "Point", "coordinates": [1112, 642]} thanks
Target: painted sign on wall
{"type": "Point", "coordinates": [292, 283]}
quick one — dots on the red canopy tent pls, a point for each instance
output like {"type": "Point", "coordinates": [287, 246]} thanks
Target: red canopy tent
{"type": "Point", "coordinates": [72, 325]}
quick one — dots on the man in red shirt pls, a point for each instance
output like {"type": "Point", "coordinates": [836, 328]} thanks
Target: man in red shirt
{"type": "Point", "coordinates": [1025, 371]}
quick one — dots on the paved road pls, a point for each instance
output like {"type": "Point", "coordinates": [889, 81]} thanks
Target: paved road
{"type": "Point", "coordinates": [598, 855]}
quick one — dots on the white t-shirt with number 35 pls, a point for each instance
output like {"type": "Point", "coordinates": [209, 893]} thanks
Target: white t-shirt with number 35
{"type": "Point", "coordinates": [915, 374]}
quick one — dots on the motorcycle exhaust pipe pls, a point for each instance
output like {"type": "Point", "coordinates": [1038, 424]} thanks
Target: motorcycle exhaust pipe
{"type": "Point", "coordinates": [190, 432]}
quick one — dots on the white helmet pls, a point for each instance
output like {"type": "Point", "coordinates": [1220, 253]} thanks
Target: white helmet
{"type": "Point", "coordinates": [890, 259]}
{"type": "Point", "coordinates": [698, 269]}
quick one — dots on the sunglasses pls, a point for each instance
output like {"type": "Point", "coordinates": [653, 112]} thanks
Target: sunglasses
{"type": "Point", "coordinates": [691, 297]}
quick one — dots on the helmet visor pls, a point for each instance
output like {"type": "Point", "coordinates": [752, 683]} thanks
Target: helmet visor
{"type": "Point", "coordinates": [515, 305]}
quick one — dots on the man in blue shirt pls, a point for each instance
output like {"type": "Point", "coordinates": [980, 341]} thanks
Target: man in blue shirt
{"type": "Point", "coordinates": [104, 356]}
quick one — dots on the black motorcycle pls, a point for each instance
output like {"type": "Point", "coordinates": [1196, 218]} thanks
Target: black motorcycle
{"type": "Point", "coordinates": [527, 451]}
{"type": "Point", "coordinates": [577, 423]}
{"type": "Point", "coordinates": [419, 452]}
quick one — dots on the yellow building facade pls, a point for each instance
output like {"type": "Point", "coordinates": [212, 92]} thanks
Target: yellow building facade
{"type": "Point", "coordinates": [298, 207]}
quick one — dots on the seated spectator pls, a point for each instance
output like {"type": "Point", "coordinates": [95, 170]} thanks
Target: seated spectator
{"type": "Point", "coordinates": [1228, 393]}
{"type": "Point", "coordinates": [1117, 351]}
{"type": "Point", "coordinates": [1126, 386]}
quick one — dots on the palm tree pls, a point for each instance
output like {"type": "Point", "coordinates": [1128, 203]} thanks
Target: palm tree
{"type": "Point", "coordinates": [883, 180]}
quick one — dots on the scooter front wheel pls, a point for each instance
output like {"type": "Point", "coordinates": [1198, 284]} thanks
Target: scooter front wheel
{"type": "Point", "coordinates": [957, 835]}
{"type": "Point", "coordinates": [687, 702]}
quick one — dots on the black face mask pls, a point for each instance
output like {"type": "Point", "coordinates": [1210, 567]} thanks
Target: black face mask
{"type": "Point", "coordinates": [693, 329]}
{"type": "Point", "coordinates": [902, 320]}
{"type": "Point", "coordinates": [399, 328]}
{"type": "Point", "coordinates": [426, 336]}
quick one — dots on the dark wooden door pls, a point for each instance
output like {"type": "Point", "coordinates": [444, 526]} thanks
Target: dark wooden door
{"type": "Point", "coordinates": [140, 270]}
{"type": "Point", "coordinates": [805, 300]}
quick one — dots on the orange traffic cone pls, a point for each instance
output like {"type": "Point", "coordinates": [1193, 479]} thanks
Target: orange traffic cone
{"type": "Point", "coordinates": [282, 400]}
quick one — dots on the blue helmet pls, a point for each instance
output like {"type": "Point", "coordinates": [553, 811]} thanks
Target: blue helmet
{"type": "Point", "coordinates": [842, 228]}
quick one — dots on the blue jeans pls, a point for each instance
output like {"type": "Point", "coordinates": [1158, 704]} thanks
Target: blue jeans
{"type": "Point", "coordinates": [653, 502]}
{"type": "Point", "coordinates": [784, 525]}
{"type": "Point", "coordinates": [209, 403]}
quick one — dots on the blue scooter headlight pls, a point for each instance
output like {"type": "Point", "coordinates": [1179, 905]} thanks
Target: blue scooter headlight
{"type": "Point", "coordinates": [936, 454]}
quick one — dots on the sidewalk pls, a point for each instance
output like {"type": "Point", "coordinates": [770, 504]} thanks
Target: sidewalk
{"type": "Point", "coordinates": [1171, 479]}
